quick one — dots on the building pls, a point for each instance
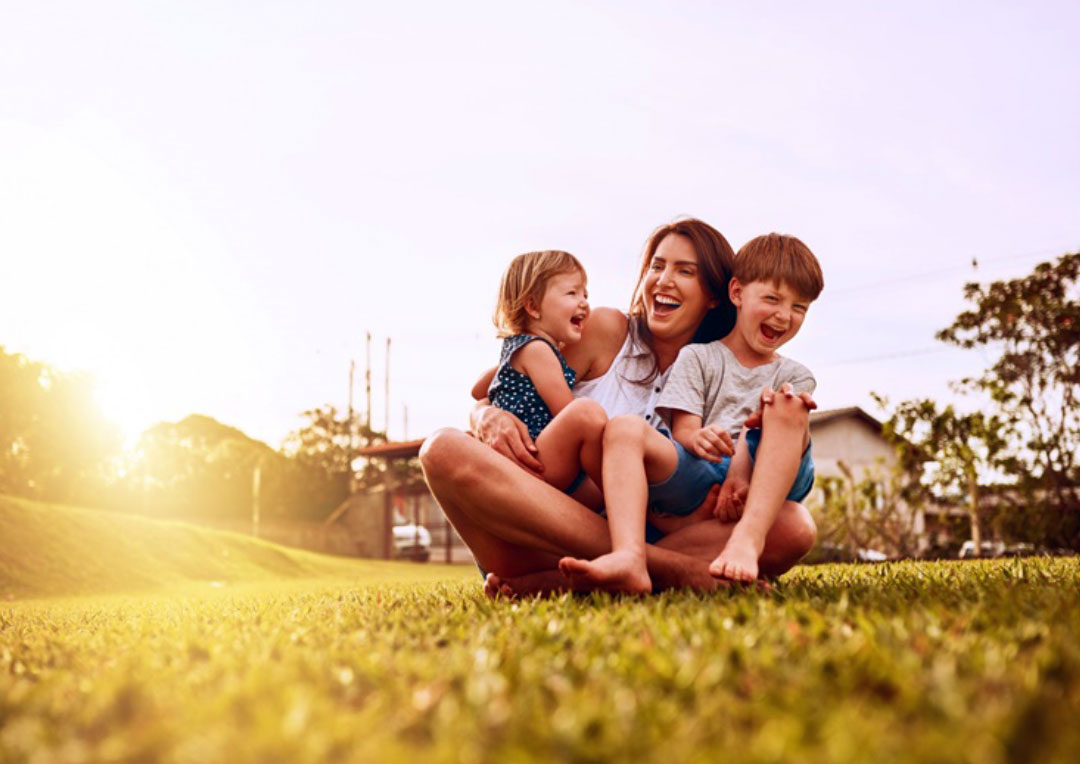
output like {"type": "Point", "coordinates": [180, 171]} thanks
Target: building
{"type": "Point", "coordinates": [370, 516]}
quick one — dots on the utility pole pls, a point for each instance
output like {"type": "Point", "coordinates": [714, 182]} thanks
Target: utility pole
{"type": "Point", "coordinates": [404, 421]}
{"type": "Point", "coordinates": [367, 383]}
{"type": "Point", "coordinates": [352, 419]}
{"type": "Point", "coordinates": [256, 490]}
{"type": "Point", "coordinates": [386, 431]}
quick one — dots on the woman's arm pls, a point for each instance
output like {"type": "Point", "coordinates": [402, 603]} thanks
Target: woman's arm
{"type": "Point", "coordinates": [602, 335]}
{"type": "Point", "coordinates": [506, 434]}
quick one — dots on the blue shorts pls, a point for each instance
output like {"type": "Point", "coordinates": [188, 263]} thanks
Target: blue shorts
{"type": "Point", "coordinates": [687, 487]}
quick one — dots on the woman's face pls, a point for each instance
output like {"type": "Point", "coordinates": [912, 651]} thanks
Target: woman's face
{"type": "Point", "coordinates": [675, 295]}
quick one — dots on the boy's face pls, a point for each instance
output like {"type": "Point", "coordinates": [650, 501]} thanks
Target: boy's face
{"type": "Point", "coordinates": [770, 314]}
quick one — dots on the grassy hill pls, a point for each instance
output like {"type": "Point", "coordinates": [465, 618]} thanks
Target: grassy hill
{"type": "Point", "coordinates": [50, 550]}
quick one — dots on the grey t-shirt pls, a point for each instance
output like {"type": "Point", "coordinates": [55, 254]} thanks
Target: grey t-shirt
{"type": "Point", "coordinates": [707, 380]}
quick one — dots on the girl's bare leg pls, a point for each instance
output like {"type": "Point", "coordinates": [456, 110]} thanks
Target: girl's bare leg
{"type": "Point", "coordinates": [635, 455]}
{"type": "Point", "coordinates": [784, 435]}
{"type": "Point", "coordinates": [573, 441]}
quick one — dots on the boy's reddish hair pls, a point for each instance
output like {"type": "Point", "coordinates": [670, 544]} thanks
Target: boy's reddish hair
{"type": "Point", "coordinates": [780, 258]}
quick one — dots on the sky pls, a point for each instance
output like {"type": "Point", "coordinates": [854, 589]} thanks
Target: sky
{"type": "Point", "coordinates": [209, 205]}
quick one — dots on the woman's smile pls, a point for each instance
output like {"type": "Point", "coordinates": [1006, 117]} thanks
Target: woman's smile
{"type": "Point", "coordinates": [675, 297]}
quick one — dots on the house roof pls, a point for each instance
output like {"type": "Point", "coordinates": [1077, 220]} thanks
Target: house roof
{"type": "Point", "coordinates": [404, 449]}
{"type": "Point", "coordinates": [820, 417]}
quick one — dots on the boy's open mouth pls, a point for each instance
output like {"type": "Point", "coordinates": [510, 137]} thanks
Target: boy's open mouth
{"type": "Point", "coordinates": [577, 320]}
{"type": "Point", "coordinates": [771, 334]}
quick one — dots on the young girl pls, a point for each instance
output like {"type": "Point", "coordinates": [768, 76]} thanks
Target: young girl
{"type": "Point", "coordinates": [542, 306]}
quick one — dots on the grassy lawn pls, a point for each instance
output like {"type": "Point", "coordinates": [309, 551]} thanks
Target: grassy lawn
{"type": "Point", "coordinates": [898, 662]}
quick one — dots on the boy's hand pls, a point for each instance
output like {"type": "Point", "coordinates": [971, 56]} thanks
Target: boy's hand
{"type": "Point", "coordinates": [732, 500]}
{"type": "Point", "coordinates": [712, 443]}
{"type": "Point", "coordinates": [767, 394]}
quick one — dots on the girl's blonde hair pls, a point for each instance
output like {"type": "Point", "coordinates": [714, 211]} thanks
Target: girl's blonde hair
{"type": "Point", "coordinates": [524, 282]}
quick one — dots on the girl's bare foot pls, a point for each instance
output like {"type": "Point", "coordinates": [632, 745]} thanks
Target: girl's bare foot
{"type": "Point", "coordinates": [620, 571]}
{"type": "Point", "coordinates": [738, 562]}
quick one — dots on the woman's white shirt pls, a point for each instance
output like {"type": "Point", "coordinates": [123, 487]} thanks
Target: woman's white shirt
{"type": "Point", "coordinates": [617, 392]}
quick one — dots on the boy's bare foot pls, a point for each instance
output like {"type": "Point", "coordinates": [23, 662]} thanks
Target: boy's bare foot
{"type": "Point", "coordinates": [544, 583]}
{"type": "Point", "coordinates": [621, 571]}
{"type": "Point", "coordinates": [738, 562]}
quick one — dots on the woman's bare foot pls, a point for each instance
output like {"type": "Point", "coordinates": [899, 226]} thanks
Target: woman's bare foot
{"type": "Point", "coordinates": [738, 562]}
{"type": "Point", "coordinates": [544, 583]}
{"type": "Point", "coordinates": [620, 571]}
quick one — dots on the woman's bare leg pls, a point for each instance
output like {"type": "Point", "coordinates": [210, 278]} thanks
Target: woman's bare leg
{"type": "Point", "coordinates": [515, 524]}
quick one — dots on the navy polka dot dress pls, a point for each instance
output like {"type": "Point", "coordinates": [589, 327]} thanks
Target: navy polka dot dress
{"type": "Point", "coordinates": [514, 392]}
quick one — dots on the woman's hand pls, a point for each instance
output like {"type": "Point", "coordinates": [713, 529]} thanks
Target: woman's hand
{"type": "Point", "coordinates": [509, 436]}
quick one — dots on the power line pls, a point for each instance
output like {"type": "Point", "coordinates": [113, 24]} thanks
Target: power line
{"type": "Point", "coordinates": [974, 266]}
{"type": "Point", "coordinates": [890, 356]}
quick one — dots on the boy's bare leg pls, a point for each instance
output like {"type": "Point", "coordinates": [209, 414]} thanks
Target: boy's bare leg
{"type": "Point", "coordinates": [635, 455]}
{"type": "Point", "coordinates": [784, 435]}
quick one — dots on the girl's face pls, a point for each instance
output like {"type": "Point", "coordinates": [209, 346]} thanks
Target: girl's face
{"type": "Point", "coordinates": [676, 298]}
{"type": "Point", "coordinates": [562, 310]}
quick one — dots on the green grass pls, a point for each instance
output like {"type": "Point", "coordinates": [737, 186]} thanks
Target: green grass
{"type": "Point", "coordinates": [49, 550]}
{"type": "Point", "coordinates": [899, 662]}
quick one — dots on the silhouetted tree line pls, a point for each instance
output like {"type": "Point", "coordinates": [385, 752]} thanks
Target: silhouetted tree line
{"type": "Point", "coordinates": [56, 446]}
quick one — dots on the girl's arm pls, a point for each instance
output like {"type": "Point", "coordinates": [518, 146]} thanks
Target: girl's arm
{"type": "Point", "coordinates": [539, 363]}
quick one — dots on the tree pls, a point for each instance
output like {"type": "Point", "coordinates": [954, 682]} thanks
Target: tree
{"type": "Point", "coordinates": [959, 447]}
{"type": "Point", "coordinates": [1034, 322]}
{"type": "Point", "coordinates": [329, 441]}
{"type": "Point", "coordinates": [55, 444]}
{"type": "Point", "coordinates": [876, 510]}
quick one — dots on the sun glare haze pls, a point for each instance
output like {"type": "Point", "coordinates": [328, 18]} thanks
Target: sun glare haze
{"type": "Point", "coordinates": [210, 214]}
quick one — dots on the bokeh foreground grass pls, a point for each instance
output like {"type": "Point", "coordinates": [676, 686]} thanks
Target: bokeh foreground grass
{"type": "Point", "coordinates": [898, 662]}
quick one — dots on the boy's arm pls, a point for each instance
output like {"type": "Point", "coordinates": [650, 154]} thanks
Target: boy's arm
{"type": "Point", "coordinates": [729, 504]}
{"type": "Point", "coordinates": [539, 363]}
{"type": "Point", "coordinates": [710, 442]}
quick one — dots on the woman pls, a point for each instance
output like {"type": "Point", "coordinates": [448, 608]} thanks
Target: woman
{"type": "Point", "coordinates": [518, 527]}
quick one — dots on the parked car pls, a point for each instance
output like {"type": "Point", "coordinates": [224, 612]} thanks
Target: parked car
{"type": "Point", "coordinates": [987, 549]}
{"type": "Point", "coordinates": [412, 542]}
{"type": "Point", "coordinates": [828, 551]}
{"type": "Point", "coordinates": [870, 555]}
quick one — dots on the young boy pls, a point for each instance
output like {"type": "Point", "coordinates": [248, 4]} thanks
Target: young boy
{"type": "Point", "coordinates": [711, 390]}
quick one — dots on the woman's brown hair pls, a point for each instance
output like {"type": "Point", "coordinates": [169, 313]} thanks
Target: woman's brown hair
{"type": "Point", "coordinates": [715, 259]}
